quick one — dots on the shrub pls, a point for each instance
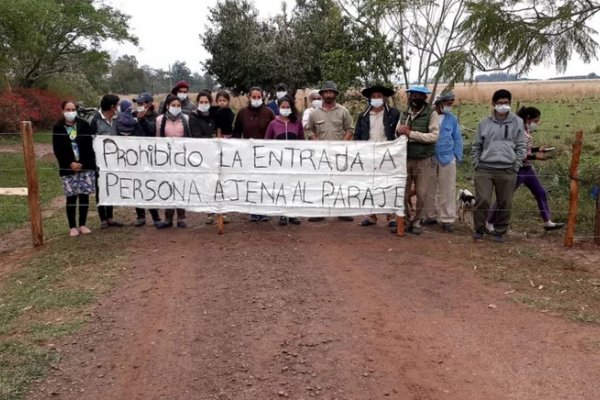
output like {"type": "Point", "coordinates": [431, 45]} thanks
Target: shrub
{"type": "Point", "coordinates": [39, 106]}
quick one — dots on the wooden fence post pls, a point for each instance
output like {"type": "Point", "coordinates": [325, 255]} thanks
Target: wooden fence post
{"type": "Point", "coordinates": [33, 187]}
{"type": "Point", "coordinates": [597, 225]}
{"type": "Point", "coordinates": [574, 195]}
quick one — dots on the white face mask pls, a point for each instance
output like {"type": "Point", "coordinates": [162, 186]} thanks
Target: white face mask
{"type": "Point", "coordinates": [203, 108]}
{"type": "Point", "coordinates": [182, 96]}
{"type": "Point", "coordinates": [502, 108]}
{"type": "Point", "coordinates": [447, 109]}
{"type": "Point", "coordinates": [285, 112]}
{"type": "Point", "coordinates": [256, 103]}
{"type": "Point", "coordinates": [377, 103]}
{"type": "Point", "coordinates": [280, 95]}
{"type": "Point", "coordinates": [533, 126]}
{"type": "Point", "coordinates": [141, 109]}
{"type": "Point", "coordinates": [317, 103]}
{"type": "Point", "coordinates": [175, 111]}
{"type": "Point", "coordinates": [70, 115]}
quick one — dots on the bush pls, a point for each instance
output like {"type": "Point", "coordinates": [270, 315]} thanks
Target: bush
{"type": "Point", "coordinates": [39, 106]}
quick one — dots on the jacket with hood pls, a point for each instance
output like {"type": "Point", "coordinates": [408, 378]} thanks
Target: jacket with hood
{"type": "Point", "coordinates": [499, 144]}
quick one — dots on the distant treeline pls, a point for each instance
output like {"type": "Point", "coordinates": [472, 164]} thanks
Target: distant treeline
{"type": "Point", "coordinates": [506, 77]}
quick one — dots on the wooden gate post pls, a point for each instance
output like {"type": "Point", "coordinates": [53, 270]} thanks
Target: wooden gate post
{"type": "Point", "coordinates": [33, 187]}
{"type": "Point", "coordinates": [574, 195]}
{"type": "Point", "coordinates": [597, 224]}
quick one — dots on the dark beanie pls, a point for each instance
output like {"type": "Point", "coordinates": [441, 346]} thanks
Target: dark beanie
{"type": "Point", "coordinates": [180, 84]}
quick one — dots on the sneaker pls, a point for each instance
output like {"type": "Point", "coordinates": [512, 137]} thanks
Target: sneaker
{"type": "Point", "coordinates": [478, 236]}
{"type": "Point", "coordinates": [550, 226]}
{"type": "Point", "coordinates": [448, 227]}
{"type": "Point", "coordinates": [73, 232]}
{"type": "Point", "coordinates": [416, 230]}
{"type": "Point", "coordinates": [164, 224]}
{"type": "Point", "coordinates": [210, 220]}
{"type": "Point", "coordinates": [115, 224]}
{"type": "Point", "coordinates": [139, 222]}
{"type": "Point", "coordinates": [346, 218]}
{"type": "Point", "coordinates": [283, 221]}
{"type": "Point", "coordinates": [489, 227]}
{"type": "Point", "coordinates": [84, 230]}
{"type": "Point", "coordinates": [316, 219]}
{"type": "Point", "coordinates": [181, 224]}
{"type": "Point", "coordinates": [294, 221]}
{"type": "Point", "coordinates": [156, 223]}
{"type": "Point", "coordinates": [429, 221]}
{"type": "Point", "coordinates": [254, 218]}
{"type": "Point", "coordinates": [263, 218]}
{"type": "Point", "coordinates": [499, 238]}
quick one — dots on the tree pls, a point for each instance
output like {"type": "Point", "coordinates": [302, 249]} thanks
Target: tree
{"type": "Point", "coordinates": [449, 40]}
{"type": "Point", "coordinates": [126, 76]}
{"type": "Point", "coordinates": [41, 38]}
{"type": "Point", "coordinates": [180, 71]}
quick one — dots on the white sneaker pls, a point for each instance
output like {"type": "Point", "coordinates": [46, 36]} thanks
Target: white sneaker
{"type": "Point", "coordinates": [489, 227]}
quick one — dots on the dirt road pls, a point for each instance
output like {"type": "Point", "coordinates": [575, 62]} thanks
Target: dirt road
{"type": "Point", "coordinates": [327, 310]}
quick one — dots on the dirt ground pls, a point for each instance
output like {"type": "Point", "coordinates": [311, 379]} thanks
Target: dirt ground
{"type": "Point", "coordinates": [322, 310]}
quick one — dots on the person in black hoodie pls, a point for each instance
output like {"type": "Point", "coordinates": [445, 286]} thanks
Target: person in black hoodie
{"type": "Point", "coordinates": [145, 127]}
{"type": "Point", "coordinates": [202, 124]}
{"type": "Point", "coordinates": [72, 144]}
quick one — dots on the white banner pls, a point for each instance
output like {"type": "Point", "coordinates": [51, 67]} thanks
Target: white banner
{"type": "Point", "coordinates": [270, 177]}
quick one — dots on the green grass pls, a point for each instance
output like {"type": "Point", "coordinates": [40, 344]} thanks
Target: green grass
{"type": "Point", "coordinates": [49, 295]}
{"type": "Point", "coordinates": [38, 137]}
{"type": "Point", "coordinates": [14, 210]}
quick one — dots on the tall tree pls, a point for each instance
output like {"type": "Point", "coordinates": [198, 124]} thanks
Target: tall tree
{"type": "Point", "coordinates": [126, 76]}
{"type": "Point", "coordinates": [41, 38]}
{"type": "Point", "coordinates": [180, 71]}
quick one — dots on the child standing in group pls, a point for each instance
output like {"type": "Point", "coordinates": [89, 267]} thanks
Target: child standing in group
{"type": "Point", "coordinates": [286, 126]}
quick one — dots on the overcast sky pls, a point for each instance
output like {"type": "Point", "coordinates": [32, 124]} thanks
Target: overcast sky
{"type": "Point", "coordinates": [170, 32]}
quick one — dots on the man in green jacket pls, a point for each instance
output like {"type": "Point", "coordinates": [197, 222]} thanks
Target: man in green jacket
{"type": "Point", "coordinates": [420, 125]}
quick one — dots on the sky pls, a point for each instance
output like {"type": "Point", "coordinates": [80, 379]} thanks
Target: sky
{"type": "Point", "coordinates": [160, 44]}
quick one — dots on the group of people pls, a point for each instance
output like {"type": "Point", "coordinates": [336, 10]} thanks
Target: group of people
{"type": "Point", "coordinates": [502, 150]}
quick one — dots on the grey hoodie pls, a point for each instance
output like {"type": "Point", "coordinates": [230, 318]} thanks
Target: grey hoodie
{"type": "Point", "coordinates": [499, 144]}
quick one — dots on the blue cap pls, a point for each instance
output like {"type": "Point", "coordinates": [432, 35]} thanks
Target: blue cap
{"type": "Point", "coordinates": [144, 97]}
{"type": "Point", "coordinates": [418, 89]}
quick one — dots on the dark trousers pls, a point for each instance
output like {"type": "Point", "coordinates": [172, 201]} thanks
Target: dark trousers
{"type": "Point", "coordinates": [170, 212]}
{"type": "Point", "coordinates": [141, 213]}
{"type": "Point", "coordinates": [528, 177]}
{"type": "Point", "coordinates": [502, 183]}
{"type": "Point", "coordinates": [84, 203]}
{"type": "Point", "coordinates": [104, 212]}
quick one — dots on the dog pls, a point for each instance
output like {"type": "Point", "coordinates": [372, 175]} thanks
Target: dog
{"type": "Point", "coordinates": [465, 201]}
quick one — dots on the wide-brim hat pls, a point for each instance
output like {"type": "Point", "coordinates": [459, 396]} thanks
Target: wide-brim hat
{"type": "Point", "coordinates": [386, 91]}
{"type": "Point", "coordinates": [329, 85]}
{"type": "Point", "coordinates": [418, 89]}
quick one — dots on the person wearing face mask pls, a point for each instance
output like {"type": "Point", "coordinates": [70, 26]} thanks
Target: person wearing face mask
{"type": "Point", "coordinates": [126, 121]}
{"type": "Point", "coordinates": [527, 174]}
{"type": "Point", "coordinates": [315, 101]}
{"type": "Point", "coordinates": [419, 123]}
{"type": "Point", "coordinates": [104, 122]}
{"type": "Point", "coordinates": [377, 124]}
{"type": "Point", "coordinates": [145, 115]}
{"type": "Point", "coordinates": [251, 123]}
{"type": "Point", "coordinates": [286, 126]}
{"type": "Point", "coordinates": [448, 151]}
{"type": "Point", "coordinates": [72, 145]}
{"type": "Point", "coordinates": [498, 151]}
{"type": "Point", "coordinates": [180, 90]}
{"type": "Point", "coordinates": [173, 123]}
{"type": "Point", "coordinates": [281, 90]}
{"type": "Point", "coordinates": [202, 124]}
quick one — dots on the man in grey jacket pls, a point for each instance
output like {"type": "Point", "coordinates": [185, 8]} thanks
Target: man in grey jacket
{"type": "Point", "coordinates": [498, 152]}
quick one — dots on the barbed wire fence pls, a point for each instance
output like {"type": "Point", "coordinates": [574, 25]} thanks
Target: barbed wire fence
{"type": "Point", "coordinates": [11, 143]}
